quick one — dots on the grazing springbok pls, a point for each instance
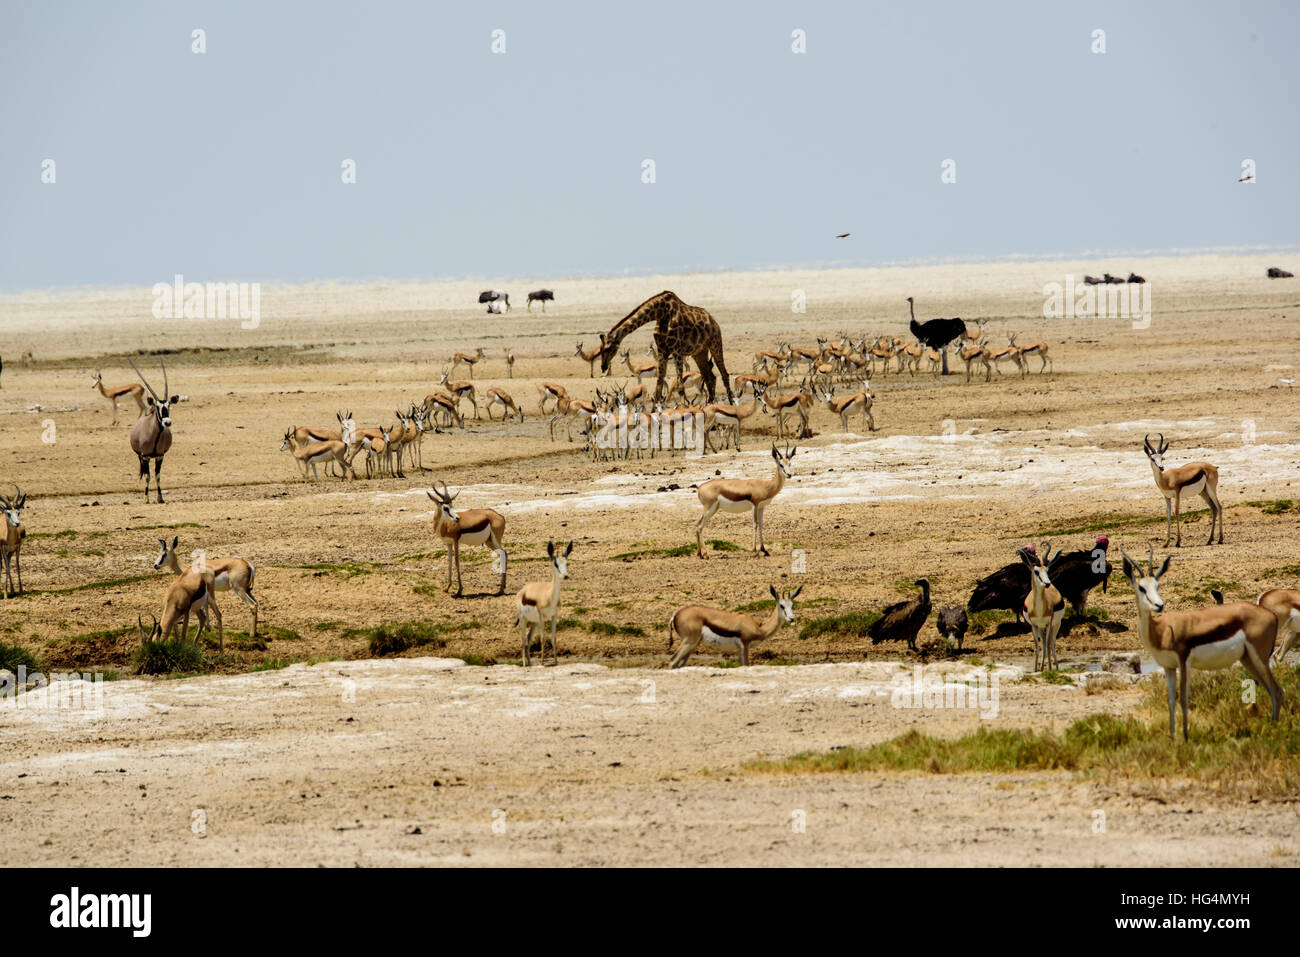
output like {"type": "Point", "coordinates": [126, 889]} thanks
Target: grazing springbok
{"type": "Point", "coordinates": [744, 495]}
{"type": "Point", "coordinates": [151, 436]}
{"type": "Point", "coordinates": [191, 591]}
{"type": "Point", "coordinates": [12, 542]}
{"type": "Point", "coordinates": [476, 526]}
{"type": "Point", "coordinates": [1210, 638]}
{"type": "Point", "coordinates": [509, 409]}
{"type": "Point", "coordinates": [539, 603]}
{"type": "Point", "coordinates": [1044, 608]}
{"type": "Point", "coordinates": [1194, 478]}
{"type": "Point", "coordinates": [727, 630]}
{"type": "Point", "coordinates": [134, 390]}
{"type": "Point", "coordinates": [228, 574]}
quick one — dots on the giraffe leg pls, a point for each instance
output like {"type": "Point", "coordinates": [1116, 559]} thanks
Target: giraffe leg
{"type": "Point", "coordinates": [706, 374]}
{"type": "Point", "coordinates": [716, 349]}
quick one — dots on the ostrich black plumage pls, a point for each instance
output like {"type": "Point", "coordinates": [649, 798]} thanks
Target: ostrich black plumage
{"type": "Point", "coordinates": [903, 621]}
{"type": "Point", "coordinates": [936, 334]}
{"type": "Point", "coordinates": [1076, 573]}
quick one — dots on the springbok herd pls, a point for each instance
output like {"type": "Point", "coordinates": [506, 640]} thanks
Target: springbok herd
{"type": "Point", "coordinates": [785, 382]}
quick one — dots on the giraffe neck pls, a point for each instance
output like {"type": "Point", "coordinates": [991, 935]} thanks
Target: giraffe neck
{"type": "Point", "coordinates": [635, 319]}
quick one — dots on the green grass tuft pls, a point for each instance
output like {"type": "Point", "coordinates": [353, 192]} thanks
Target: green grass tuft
{"type": "Point", "coordinates": [852, 625]}
{"type": "Point", "coordinates": [169, 657]}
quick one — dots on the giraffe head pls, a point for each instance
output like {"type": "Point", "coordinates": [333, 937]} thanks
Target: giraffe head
{"type": "Point", "coordinates": [608, 351]}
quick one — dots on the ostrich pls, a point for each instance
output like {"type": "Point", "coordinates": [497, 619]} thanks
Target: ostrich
{"type": "Point", "coordinates": [937, 333]}
{"type": "Point", "coordinates": [902, 621]}
{"type": "Point", "coordinates": [541, 295]}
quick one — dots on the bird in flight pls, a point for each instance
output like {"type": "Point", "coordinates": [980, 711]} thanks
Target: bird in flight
{"type": "Point", "coordinates": [842, 236]}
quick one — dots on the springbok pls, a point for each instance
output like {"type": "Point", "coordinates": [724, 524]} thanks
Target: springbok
{"type": "Point", "coordinates": [588, 356]}
{"type": "Point", "coordinates": [503, 398]}
{"type": "Point", "coordinates": [12, 542]}
{"type": "Point", "coordinates": [228, 574]}
{"type": "Point", "coordinates": [860, 401]}
{"type": "Point", "coordinates": [151, 436]}
{"type": "Point", "coordinates": [1044, 607]}
{"type": "Point", "coordinates": [1194, 478]}
{"type": "Point", "coordinates": [309, 455]}
{"type": "Point", "coordinates": [728, 630]}
{"type": "Point", "coordinates": [477, 526]}
{"type": "Point", "coordinates": [539, 603]}
{"type": "Point", "coordinates": [134, 390]}
{"type": "Point", "coordinates": [1210, 638]}
{"type": "Point", "coordinates": [469, 358]}
{"type": "Point", "coordinates": [744, 495]}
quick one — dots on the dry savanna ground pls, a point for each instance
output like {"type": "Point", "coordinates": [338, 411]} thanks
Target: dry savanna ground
{"type": "Point", "coordinates": [302, 748]}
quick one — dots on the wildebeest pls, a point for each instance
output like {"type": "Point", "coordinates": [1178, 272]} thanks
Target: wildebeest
{"type": "Point", "coordinates": [541, 295]}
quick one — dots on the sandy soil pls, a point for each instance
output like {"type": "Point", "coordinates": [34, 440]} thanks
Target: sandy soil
{"type": "Point", "coordinates": [957, 477]}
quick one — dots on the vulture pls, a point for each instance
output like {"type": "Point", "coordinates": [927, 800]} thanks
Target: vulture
{"type": "Point", "coordinates": [1005, 589]}
{"type": "Point", "coordinates": [952, 624]}
{"type": "Point", "coordinates": [1074, 576]}
{"type": "Point", "coordinates": [1275, 273]}
{"type": "Point", "coordinates": [1092, 281]}
{"type": "Point", "coordinates": [1112, 280]}
{"type": "Point", "coordinates": [541, 295]}
{"type": "Point", "coordinates": [903, 621]}
{"type": "Point", "coordinates": [1135, 278]}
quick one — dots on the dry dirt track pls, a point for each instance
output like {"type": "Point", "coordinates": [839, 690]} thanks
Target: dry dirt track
{"type": "Point", "coordinates": [956, 477]}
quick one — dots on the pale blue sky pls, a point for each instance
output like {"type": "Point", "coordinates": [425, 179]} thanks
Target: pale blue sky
{"type": "Point", "coordinates": [226, 166]}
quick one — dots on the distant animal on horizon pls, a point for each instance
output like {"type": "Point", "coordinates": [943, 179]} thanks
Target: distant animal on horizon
{"type": "Point", "coordinates": [1112, 280]}
{"type": "Point", "coordinates": [1275, 273]}
{"type": "Point", "coordinates": [494, 297]}
{"type": "Point", "coordinates": [541, 295]}
{"type": "Point", "coordinates": [1135, 278]}
{"type": "Point", "coordinates": [1092, 281]}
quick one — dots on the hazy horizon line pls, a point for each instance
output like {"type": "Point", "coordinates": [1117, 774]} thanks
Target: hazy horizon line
{"type": "Point", "coordinates": [643, 272]}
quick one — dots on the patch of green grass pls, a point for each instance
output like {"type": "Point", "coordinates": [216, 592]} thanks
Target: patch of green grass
{"type": "Point", "coordinates": [110, 634]}
{"type": "Point", "coordinates": [273, 664]}
{"type": "Point", "coordinates": [88, 586]}
{"type": "Point", "coordinates": [1053, 676]}
{"type": "Point", "coordinates": [66, 533]}
{"type": "Point", "coordinates": [982, 622]}
{"type": "Point", "coordinates": [170, 657]}
{"type": "Point", "coordinates": [395, 637]}
{"type": "Point", "coordinates": [851, 625]}
{"type": "Point", "coordinates": [342, 569]}
{"type": "Point", "coordinates": [606, 628]}
{"type": "Point", "coordinates": [427, 589]}
{"type": "Point", "coordinates": [149, 528]}
{"type": "Point", "coordinates": [11, 656]}
{"type": "Point", "coordinates": [717, 544]}
{"type": "Point", "coordinates": [483, 661]}
{"type": "Point", "coordinates": [1277, 506]}
{"type": "Point", "coordinates": [766, 604]}
{"type": "Point", "coordinates": [1233, 747]}
{"type": "Point", "coordinates": [327, 625]}
{"type": "Point", "coordinates": [1102, 522]}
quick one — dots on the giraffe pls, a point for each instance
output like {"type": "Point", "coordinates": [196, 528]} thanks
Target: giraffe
{"type": "Point", "coordinates": [680, 331]}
